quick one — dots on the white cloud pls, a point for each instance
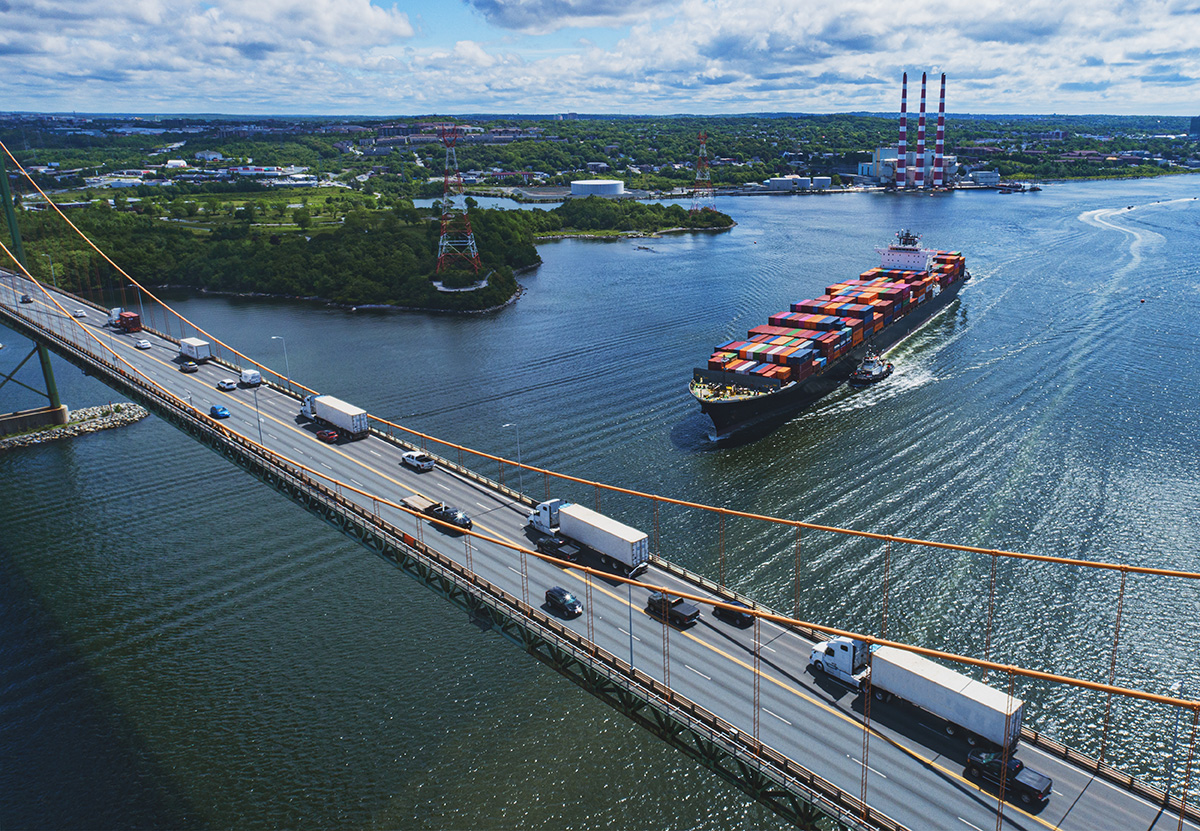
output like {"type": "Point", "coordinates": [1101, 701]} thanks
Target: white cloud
{"type": "Point", "coordinates": [341, 56]}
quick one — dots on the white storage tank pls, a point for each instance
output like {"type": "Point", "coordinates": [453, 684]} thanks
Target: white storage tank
{"type": "Point", "coordinates": [821, 182]}
{"type": "Point", "coordinates": [597, 187]}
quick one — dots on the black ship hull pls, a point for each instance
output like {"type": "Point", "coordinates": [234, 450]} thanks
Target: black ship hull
{"type": "Point", "coordinates": [733, 416]}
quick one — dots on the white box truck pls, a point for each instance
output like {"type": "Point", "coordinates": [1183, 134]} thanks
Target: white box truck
{"type": "Point", "coordinates": [618, 545]}
{"type": "Point", "coordinates": [251, 377]}
{"type": "Point", "coordinates": [348, 419]}
{"type": "Point", "coordinates": [968, 707]}
{"type": "Point", "coordinates": [195, 349]}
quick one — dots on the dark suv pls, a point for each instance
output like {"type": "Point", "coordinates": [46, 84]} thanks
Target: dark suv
{"type": "Point", "coordinates": [448, 513]}
{"type": "Point", "coordinates": [564, 602]}
{"type": "Point", "coordinates": [1025, 784]}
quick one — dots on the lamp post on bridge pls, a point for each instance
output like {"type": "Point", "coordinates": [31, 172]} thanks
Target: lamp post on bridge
{"type": "Point", "coordinates": [258, 418]}
{"type": "Point", "coordinates": [520, 469]}
{"type": "Point", "coordinates": [53, 279]}
{"type": "Point", "coordinates": [286, 367]}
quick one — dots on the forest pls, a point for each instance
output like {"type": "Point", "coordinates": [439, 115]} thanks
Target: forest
{"type": "Point", "coordinates": [386, 256]}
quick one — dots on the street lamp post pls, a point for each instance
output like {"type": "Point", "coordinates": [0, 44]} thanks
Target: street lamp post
{"type": "Point", "coordinates": [520, 470]}
{"type": "Point", "coordinates": [258, 418]}
{"type": "Point", "coordinates": [52, 277]}
{"type": "Point", "coordinates": [286, 367]}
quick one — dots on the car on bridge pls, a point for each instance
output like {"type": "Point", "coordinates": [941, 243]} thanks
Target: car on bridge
{"type": "Point", "coordinates": [227, 384]}
{"type": "Point", "coordinates": [141, 344]}
{"type": "Point", "coordinates": [189, 366]}
{"type": "Point", "coordinates": [79, 313]}
{"type": "Point", "coordinates": [1025, 784]}
{"type": "Point", "coordinates": [666, 608]}
{"type": "Point", "coordinates": [450, 514]}
{"type": "Point", "coordinates": [564, 602]}
{"type": "Point", "coordinates": [217, 411]}
{"type": "Point", "coordinates": [418, 461]}
{"type": "Point", "coordinates": [327, 436]}
{"type": "Point", "coordinates": [25, 298]}
{"type": "Point", "coordinates": [737, 617]}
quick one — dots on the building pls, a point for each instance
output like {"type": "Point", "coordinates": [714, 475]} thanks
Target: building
{"type": "Point", "coordinates": [1194, 130]}
{"type": "Point", "coordinates": [597, 187]}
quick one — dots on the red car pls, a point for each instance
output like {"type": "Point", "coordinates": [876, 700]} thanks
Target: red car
{"type": "Point", "coordinates": [327, 435]}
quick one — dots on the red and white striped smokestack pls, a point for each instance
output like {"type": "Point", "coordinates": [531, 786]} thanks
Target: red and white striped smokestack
{"type": "Point", "coordinates": [939, 146]}
{"type": "Point", "coordinates": [919, 179]}
{"type": "Point", "coordinates": [902, 151]}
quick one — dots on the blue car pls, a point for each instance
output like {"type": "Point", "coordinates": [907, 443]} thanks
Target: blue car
{"type": "Point", "coordinates": [219, 412]}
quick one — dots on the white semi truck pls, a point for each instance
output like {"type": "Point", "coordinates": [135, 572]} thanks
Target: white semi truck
{"type": "Point", "coordinates": [618, 545]}
{"type": "Point", "coordinates": [968, 707]}
{"type": "Point", "coordinates": [195, 349]}
{"type": "Point", "coordinates": [348, 419]}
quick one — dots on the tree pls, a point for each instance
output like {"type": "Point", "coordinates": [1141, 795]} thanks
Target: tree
{"type": "Point", "coordinates": [302, 217]}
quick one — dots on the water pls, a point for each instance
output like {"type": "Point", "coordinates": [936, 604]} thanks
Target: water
{"type": "Point", "coordinates": [182, 647]}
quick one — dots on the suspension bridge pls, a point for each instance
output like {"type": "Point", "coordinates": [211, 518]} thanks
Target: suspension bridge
{"type": "Point", "coordinates": [740, 700]}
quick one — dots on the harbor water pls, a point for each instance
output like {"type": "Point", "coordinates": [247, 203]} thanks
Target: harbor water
{"type": "Point", "coordinates": [182, 647]}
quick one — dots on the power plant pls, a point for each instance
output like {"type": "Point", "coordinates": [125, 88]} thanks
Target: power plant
{"type": "Point", "coordinates": [903, 168]}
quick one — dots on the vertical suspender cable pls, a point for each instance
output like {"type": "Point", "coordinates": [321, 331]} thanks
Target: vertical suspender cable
{"type": "Point", "coordinates": [1187, 776]}
{"type": "Point", "coordinates": [721, 551]}
{"type": "Point", "coordinates": [866, 746]}
{"type": "Point", "coordinates": [666, 622]}
{"type": "Point", "coordinates": [656, 549]}
{"type": "Point", "coordinates": [887, 572]}
{"type": "Point", "coordinates": [1006, 751]}
{"type": "Point", "coordinates": [1112, 667]}
{"type": "Point", "coordinates": [987, 637]}
{"type": "Point", "coordinates": [796, 604]}
{"type": "Point", "coordinates": [757, 676]}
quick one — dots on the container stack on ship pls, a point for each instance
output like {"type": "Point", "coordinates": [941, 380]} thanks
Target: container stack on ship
{"type": "Point", "coordinates": [806, 352]}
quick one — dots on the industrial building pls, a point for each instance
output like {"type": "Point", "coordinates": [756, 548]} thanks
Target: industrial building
{"type": "Point", "coordinates": [597, 187]}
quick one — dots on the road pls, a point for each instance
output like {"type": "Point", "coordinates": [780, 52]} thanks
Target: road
{"type": "Point", "coordinates": [914, 772]}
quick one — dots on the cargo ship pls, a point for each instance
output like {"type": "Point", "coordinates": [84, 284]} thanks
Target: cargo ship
{"type": "Point", "coordinates": [807, 352]}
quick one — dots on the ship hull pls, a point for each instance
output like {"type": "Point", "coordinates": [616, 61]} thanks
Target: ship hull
{"type": "Point", "coordinates": [733, 417]}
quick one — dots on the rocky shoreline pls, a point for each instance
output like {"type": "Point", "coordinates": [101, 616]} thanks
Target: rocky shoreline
{"type": "Point", "coordinates": [83, 420]}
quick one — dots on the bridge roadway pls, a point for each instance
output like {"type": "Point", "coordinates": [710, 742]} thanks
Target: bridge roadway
{"type": "Point", "coordinates": [915, 773]}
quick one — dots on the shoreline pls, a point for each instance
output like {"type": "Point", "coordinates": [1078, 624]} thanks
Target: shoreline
{"type": "Point", "coordinates": [83, 421]}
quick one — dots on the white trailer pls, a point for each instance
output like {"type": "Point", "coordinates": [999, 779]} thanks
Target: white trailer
{"type": "Point", "coordinates": [982, 712]}
{"type": "Point", "coordinates": [195, 349]}
{"type": "Point", "coordinates": [617, 543]}
{"type": "Point", "coordinates": [967, 706]}
{"type": "Point", "coordinates": [351, 420]}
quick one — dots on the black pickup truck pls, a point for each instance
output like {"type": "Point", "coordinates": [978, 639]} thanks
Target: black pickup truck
{"type": "Point", "coordinates": [1024, 784]}
{"type": "Point", "coordinates": [674, 609]}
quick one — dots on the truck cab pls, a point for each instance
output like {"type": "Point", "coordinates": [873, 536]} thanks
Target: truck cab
{"type": "Point", "coordinates": [842, 658]}
{"type": "Point", "coordinates": [544, 518]}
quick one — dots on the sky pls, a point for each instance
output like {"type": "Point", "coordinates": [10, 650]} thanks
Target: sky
{"type": "Point", "coordinates": [639, 57]}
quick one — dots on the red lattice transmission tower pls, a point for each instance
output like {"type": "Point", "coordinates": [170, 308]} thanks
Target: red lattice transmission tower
{"type": "Point", "coordinates": [703, 196]}
{"type": "Point", "coordinates": [457, 241]}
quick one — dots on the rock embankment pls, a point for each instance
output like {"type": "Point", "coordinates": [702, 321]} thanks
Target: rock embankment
{"type": "Point", "coordinates": [84, 420]}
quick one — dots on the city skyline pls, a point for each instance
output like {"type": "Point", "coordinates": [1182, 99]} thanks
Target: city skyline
{"type": "Point", "coordinates": [380, 57]}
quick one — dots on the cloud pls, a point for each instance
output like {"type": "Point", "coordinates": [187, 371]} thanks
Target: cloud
{"type": "Point", "coordinates": [544, 16]}
{"type": "Point", "coordinates": [656, 56]}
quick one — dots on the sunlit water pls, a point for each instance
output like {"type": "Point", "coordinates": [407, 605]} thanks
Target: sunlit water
{"type": "Point", "coordinates": [182, 647]}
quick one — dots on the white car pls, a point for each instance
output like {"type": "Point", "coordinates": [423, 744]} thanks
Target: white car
{"type": "Point", "coordinates": [227, 384]}
{"type": "Point", "coordinates": [142, 344]}
{"type": "Point", "coordinates": [418, 461]}
{"type": "Point", "coordinates": [79, 313]}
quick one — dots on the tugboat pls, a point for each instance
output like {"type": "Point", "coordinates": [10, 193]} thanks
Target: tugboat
{"type": "Point", "coordinates": [872, 370]}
